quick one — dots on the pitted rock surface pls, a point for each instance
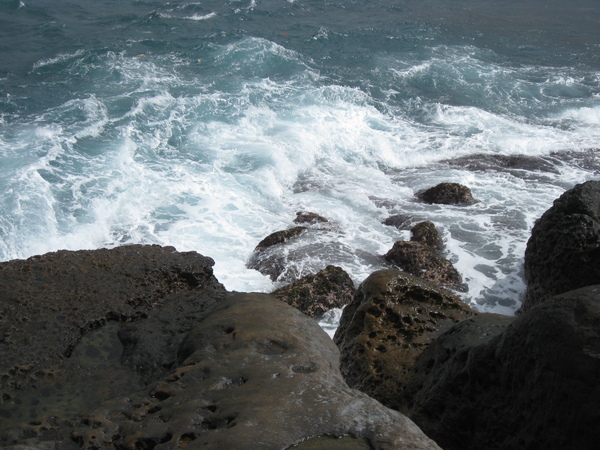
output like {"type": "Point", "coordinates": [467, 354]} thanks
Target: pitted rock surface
{"type": "Point", "coordinates": [392, 319]}
{"type": "Point", "coordinates": [426, 233]}
{"type": "Point", "coordinates": [423, 261]}
{"type": "Point", "coordinates": [316, 294]}
{"type": "Point", "coordinates": [255, 373]}
{"type": "Point", "coordinates": [60, 319]}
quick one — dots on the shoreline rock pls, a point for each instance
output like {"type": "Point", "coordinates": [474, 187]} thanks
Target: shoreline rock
{"type": "Point", "coordinates": [394, 316]}
{"type": "Point", "coordinates": [563, 252]}
{"type": "Point", "coordinates": [315, 294]}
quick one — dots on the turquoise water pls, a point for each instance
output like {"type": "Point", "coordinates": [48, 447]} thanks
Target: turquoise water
{"type": "Point", "coordinates": [206, 125]}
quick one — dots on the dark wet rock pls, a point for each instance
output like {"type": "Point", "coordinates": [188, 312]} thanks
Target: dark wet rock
{"type": "Point", "coordinates": [61, 316]}
{"type": "Point", "coordinates": [563, 252]}
{"type": "Point", "coordinates": [255, 373]}
{"type": "Point", "coordinates": [269, 258]}
{"type": "Point", "coordinates": [392, 319]}
{"type": "Point", "coordinates": [517, 165]}
{"type": "Point", "coordinates": [532, 382]}
{"type": "Point", "coordinates": [400, 221]}
{"type": "Point", "coordinates": [309, 217]}
{"type": "Point", "coordinates": [426, 233]}
{"type": "Point", "coordinates": [425, 262]}
{"type": "Point", "coordinates": [315, 294]}
{"type": "Point", "coordinates": [447, 194]}
{"type": "Point", "coordinates": [279, 237]}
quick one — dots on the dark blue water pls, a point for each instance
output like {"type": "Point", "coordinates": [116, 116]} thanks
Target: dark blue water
{"type": "Point", "coordinates": [206, 125]}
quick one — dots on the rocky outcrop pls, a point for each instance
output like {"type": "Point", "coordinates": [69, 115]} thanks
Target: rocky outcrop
{"type": "Point", "coordinates": [267, 257]}
{"type": "Point", "coordinates": [48, 303]}
{"type": "Point", "coordinates": [141, 347]}
{"type": "Point", "coordinates": [532, 382]}
{"type": "Point", "coordinates": [61, 315]}
{"type": "Point", "coordinates": [447, 194]}
{"type": "Point", "coordinates": [279, 237]}
{"type": "Point", "coordinates": [315, 294]}
{"type": "Point", "coordinates": [253, 373]}
{"type": "Point", "coordinates": [426, 233]}
{"type": "Point", "coordinates": [392, 319]}
{"type": "Point", "coordinates": [563, 252]}
{"type": "Point", "coordinates": [422, 257]}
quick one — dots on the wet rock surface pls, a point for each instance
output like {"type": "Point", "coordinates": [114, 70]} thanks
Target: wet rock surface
{"type": "Point", "coordinates": [309, 217]}
{"type": "Point", "coordinates": [563, 252]}
{"type": "Point", "coordinates": [426, 233]}
{"type": "Point", "coordinates": [447, 194]}
{"type": "Point", "coordinates": [318, 293]}
{"type": "Point", "coordinates": [392, 319]}
{"type": "Point", "coordinates": [532, 382]}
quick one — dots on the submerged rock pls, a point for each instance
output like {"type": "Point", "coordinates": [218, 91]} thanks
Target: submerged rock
{"type": "Point", "coordinates": [255, 373]}
{"type": "Point", "coordinates": [532, 382]}
{"type": "Point", "coordinates": [563, 252]}
{"type": "Point", "coordinates": [309, 217]}
{"type": "Point", "coordinates": [447, 194]}
{"type": "Point", "coordinates": [392, 319]}
{"type": "Point", "coordinates": [400, 221]}
{"type": "Point", "coordinates": [315, 294]}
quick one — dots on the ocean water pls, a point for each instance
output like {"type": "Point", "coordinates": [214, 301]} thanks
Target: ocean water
{"type": "Point", "coordinates": [206, 125]}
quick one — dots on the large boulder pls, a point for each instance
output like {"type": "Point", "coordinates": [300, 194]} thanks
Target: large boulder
{"type": "Point", "coordinates": [532, 382]}
{"type": "Point", "coordinates": [255, 373]}
{"type": "Point", "coordinates": [563, 252]}
{"type": "Point", "coordinates": [315, 294]}
{"type": "Point", "coordinates": [392, 319]}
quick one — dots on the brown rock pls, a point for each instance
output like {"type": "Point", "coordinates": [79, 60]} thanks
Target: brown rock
{"type": "Point", "coordinates": [393, 318]}
{"type": "Point", "coordinates": [426, 233]}
{"type": "Point", "coordinates": [425, 262]}
{"type": "Point", "coordinates": [61, 315]}
{"type": "Point", "coordinates": [447, 194]}
{"type": "Point", "coordinates": [315, 294]}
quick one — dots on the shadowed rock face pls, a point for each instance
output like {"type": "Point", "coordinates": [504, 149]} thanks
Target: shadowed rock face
{"type": "Point", "coordinates": [392, 319]}
{"type": "Point", "coordinates": [532, 382]}
{"type": "Point", "coordinates": [255, 373]}
{"type": "Point", "coordinates": [563, 252]}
